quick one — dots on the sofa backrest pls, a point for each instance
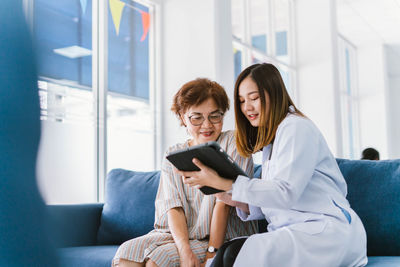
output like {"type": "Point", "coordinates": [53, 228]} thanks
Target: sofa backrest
{"type": "Point", "coordinates": [129, 207]}
{"type": "Point", "coordinates": [374, 194]}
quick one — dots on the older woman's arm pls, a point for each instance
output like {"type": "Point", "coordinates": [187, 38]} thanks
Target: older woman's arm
{"type": "Point", "coordinates": [179, 230]}
{"type": "Point", "coordinates": [219, 221]}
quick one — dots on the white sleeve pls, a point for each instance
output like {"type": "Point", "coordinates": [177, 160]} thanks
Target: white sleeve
{"type": "Point", "coordinates": [292, 165]}
{"type": "Point", "coordinates": [255, 214]}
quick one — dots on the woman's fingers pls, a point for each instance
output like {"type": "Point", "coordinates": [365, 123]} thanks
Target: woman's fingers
{"type": "Point", "coordinates": [196, 178]}
{"type": "Point", "coordinates": [199, 164]}
{"type": "Point", "coordinates": [192, 181]}
{"type": "Point", "coordinates": [187, 174]}
{"type": "Point", "coordinates": [186, 180]}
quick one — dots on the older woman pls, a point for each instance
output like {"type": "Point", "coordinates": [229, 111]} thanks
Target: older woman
{"type": "Point", "coordinates": [190, 226]}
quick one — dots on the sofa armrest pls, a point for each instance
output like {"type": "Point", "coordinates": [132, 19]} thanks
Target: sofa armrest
{"type": "Point", "coordinates": [74, 225]}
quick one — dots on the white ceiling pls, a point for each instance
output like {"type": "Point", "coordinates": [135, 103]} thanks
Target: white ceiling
{"type": "Point", "coordinates": [365, 21]}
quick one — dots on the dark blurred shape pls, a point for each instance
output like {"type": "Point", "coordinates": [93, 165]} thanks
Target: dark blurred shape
{"type": "Point", "coordinates": [370, 154]}
{"type": "Point", "coordinates": [23, 224]}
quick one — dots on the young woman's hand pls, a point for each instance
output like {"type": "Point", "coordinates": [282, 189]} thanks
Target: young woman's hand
{"type": "Point", "coordinates": [205, 177]}
{"type": "Point", "coordinates": [227, 199]}
{"type": "Point", "coordinates": [188, 258]}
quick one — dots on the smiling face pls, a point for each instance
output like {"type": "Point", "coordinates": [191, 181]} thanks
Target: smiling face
{"type": "Point", "coordinates": [206, 131]}
{"type": "Point", "coordinates": [250, 101]}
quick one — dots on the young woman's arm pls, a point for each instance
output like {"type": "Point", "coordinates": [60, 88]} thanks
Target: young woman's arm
{"type": "Point", "coordinates": [293, 141]}
{"type": "Point", "coordinates": [219, 221]}
{"type": "Point", "coordinates": [179, 230]}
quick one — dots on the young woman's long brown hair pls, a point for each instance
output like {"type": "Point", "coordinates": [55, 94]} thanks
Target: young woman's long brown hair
{"type": "Point", "coordinates": [251, 139]}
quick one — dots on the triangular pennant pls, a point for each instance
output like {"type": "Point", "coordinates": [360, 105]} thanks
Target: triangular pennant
{"type": "Point", "coordinates": [116, 8]}
{"type": "Point", "coordinates": [145, 24]}
{"type": "Point", "coordinates": [83, 6]}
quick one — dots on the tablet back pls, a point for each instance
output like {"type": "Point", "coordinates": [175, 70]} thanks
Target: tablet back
{"type": "Point", "coordinates": [211, 155]}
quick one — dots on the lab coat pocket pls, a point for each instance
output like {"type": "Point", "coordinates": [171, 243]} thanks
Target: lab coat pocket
{"type": "Point", "coordinates": [310, 227]}
{"type": "Point", "coordinates": [344, 211]}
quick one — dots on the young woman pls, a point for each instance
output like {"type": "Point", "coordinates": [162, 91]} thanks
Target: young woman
{"type": "Point", "coordinates": [190, 226]}
{"type": "Point", "coordinates": [302, 192]}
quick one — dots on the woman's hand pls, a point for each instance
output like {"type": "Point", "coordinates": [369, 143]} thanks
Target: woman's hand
{"type": "Point", "coordinates": [205, 177]}
{"type": "Point", "coordinates": [209, 255]}
{"type": "Point", "coordinates": [188, 258]}
{"type": "Point", "coordinates": [227, 199]}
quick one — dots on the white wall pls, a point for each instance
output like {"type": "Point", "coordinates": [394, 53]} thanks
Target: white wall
{"type": "Point", "coordinates": [66, 163]}
{"type": "Point", "coordinates": [317, 67]}
{"type": "Point", "coordinates": [196, 43]}
{"type": "Point", "coordinates": [392, 60]}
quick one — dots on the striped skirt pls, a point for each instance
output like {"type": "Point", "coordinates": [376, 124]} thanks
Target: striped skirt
{"type": "Point", "coordinates": [159, 247]}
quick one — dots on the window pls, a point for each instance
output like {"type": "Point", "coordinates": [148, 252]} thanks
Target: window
{"type": "Point", "coordinates": [130, 120]}
{"type": "Point", "coordinates": [97, 95]}
{"type": "Point", "coordinates": [349, 98]}
{"type": "Point", "coordinates": [262, 32]}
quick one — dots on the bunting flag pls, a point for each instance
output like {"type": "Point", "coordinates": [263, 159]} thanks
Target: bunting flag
{"type": "Point", "coordinates": [145, 24]}
{"type": "Point", "coordinates": [116, 8]}
{"type": "Point", "coordinates": [83, 6]}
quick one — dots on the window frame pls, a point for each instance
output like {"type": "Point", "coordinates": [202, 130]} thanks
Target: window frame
{"type": "Point", "coordinates": [351, 144]}
{"type": "Point", "coordinates": [247, 49]}
{"type": "Point", "coordinates": [100, 80]}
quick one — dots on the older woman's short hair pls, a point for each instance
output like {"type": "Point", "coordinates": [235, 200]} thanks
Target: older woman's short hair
{"type": "Point", "coordinates": [195, 92]}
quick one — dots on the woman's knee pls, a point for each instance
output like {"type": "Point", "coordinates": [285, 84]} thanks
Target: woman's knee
{"type": "Point", "coordinates": [127, 263]}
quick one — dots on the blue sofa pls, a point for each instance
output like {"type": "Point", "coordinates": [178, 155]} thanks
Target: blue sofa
{"type": "Point", "coordinates": [89, 234]}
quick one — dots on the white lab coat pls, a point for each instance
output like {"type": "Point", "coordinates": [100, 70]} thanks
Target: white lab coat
{"type": "Point", "coordinates": [302, 194]}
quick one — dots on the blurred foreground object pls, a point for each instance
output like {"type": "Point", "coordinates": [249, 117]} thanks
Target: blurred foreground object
{"type": "Point", "coordinates": [23, 232]}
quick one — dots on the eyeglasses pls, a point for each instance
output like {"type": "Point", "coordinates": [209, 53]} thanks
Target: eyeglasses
{"type": "Point", "coordinates": [214, 118]}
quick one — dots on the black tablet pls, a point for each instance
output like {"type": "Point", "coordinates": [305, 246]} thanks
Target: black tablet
{"type": "Point", "coordinates": [211, 155]}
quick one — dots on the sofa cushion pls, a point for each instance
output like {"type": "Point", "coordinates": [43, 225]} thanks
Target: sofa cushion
{"type": "Point", "coordinates": [99, 256]}
{"type": "Point", "coordinates": [383, 261]}
{"type": "Point", "coordinates": [374, 193]}
{"type": "Point", "coordinates": [129, 205]}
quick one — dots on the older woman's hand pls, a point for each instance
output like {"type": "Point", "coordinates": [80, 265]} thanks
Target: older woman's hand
{"type": "Point", "coordinates": [205, 177]}
{"type": "Point", "coordinates": [188, 258]}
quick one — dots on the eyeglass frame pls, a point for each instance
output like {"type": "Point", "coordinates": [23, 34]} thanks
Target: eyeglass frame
{"type": "Point", "coordinates": [208, 118]}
